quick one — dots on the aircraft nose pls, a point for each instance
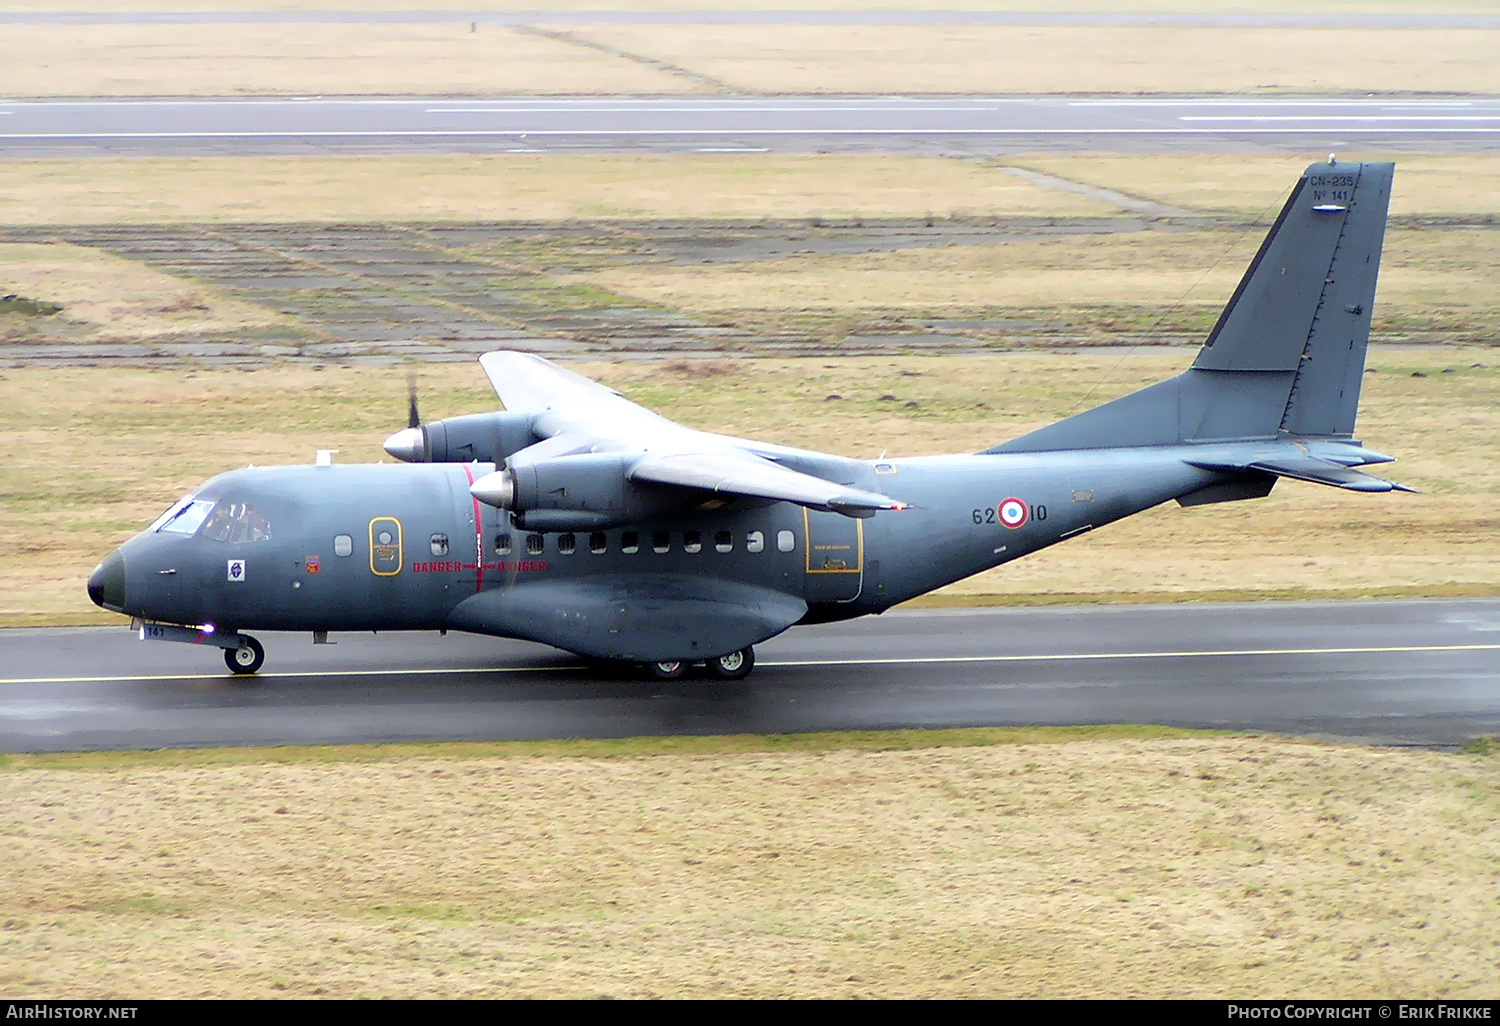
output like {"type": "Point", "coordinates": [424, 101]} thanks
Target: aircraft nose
{"type": "Point", "coordinates": [107, 583]}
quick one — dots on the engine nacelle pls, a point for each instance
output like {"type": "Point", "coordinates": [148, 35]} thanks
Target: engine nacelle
{"type": "Point", "coordinates": [485, 437]}
{"type": "Point", "coordinates": [589, 491]}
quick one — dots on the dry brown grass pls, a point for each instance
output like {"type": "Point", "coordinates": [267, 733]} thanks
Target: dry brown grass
{"type": "Point", "coordinates": [1070, 59]}
{"type": "Point", "coordinates": [103, 295]}
{"type": "Point", "coordinates": [1239, 183]}
{"type": "Point", "coordinates": [134, 440]}
{"type": "Point", "coordinates": [1105, 868]}
{"type": "Point", "coordinates": [308, 60]}
{"type": "Point", "coordinates": [1430, 278]}
{"type": "Point", "coordinates": [513, 186]}
{"type": "Point", "coordinates": [545, 6]}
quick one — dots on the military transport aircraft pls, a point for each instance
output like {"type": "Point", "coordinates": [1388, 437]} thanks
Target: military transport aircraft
{"type": "Point", "coordinates": [578, 519]}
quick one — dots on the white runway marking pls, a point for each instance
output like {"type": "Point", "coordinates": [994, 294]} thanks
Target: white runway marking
{"type": "Point", "coordinates": [888, 661]}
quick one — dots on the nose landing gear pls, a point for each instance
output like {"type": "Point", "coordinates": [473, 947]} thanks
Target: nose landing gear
{"type": "Point", "coordinates": [242, 653]}
{"type": "Point", "coordinates": [247, 658]}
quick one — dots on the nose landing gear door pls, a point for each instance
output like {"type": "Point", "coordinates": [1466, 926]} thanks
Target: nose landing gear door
{"type": "Point", "coordinates": [835, 556]}
{"type": "Point", "coordinates": [386, 552]}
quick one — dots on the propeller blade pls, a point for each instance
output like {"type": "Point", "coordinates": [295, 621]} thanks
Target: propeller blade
{"type": "Point", "coordinates": [413, 417]}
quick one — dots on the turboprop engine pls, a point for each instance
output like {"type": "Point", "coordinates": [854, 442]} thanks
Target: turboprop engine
{"type": "Point", "coordinates": [583, 492]}
{"type": "Point", "coordinates": [478, 437]}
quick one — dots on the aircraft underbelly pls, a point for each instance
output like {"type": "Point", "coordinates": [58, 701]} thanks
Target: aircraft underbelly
{"type": "Point", "coordinates": [646, 617]}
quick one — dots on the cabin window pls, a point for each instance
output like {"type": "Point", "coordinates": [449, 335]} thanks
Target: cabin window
{"type": "Point", "coordinates": [440, 545]}
{"type": "Point", "coordinates": [692, 541]}
{"type": "Point", "coordinates": [755, 542]}
{"type": "Point", "coordinates": [502, 544]}
{"type": "Point", "coordinates": [661, 541]}
{"type": "Point", "coordinates": [567, 543]}
{"type": "Point", "coordinates": [723, 541]}
{"type": "Point", "coordinates": [231, 522]}
{"type": "Point", "coordinates": [598, 542]}
{"type": "Point", "coordinates": [786, 541]}
{"type": "Point", "coordinates": [343, 545]}
{"type": "Point", "coordinates": [535, 543]}
{"type": "Point", "coordinates": [630, 542]}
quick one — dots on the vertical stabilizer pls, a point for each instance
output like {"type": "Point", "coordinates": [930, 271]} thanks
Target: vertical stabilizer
{"type": "Point", "coordinates": [1304, 304]}
{"type": "Point", "coordinates": [1287, 355]}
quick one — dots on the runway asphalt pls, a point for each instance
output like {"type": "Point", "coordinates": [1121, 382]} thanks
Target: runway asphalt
{"type": "Point", "coordinates": [1423, 672]}
{"type": "Point", "coordinates": [739, 124]}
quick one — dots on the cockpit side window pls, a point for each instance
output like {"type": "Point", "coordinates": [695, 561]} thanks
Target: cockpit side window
{"type": "Point", "coordinates": [188, 515]}
{"type": "Point", "coordinates": [236, 522]}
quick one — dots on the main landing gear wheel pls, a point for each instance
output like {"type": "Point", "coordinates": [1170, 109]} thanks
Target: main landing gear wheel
{"type": "Point", "coordinates": [248, 658]}
{"type": "Point", "coordinates": [670, 670]}
{"type": "Point", "coordinates": [734, 666]}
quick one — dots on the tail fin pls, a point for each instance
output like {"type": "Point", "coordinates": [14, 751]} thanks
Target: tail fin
{"type": "Point", "coordinates": [1287, 356]}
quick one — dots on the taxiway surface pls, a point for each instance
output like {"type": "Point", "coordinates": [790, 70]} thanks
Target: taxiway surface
{"type": "Point", "coordinates": [933, 125]}
{"type": "Point", "coordinates": [1422, 672]}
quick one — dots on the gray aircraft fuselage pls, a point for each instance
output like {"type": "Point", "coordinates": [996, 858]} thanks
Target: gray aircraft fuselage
{"type": "Point", "coordinates": [446, 550]}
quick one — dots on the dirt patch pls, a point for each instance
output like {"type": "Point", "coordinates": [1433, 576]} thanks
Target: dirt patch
{"type": "Point", "coordinates": [1106, 868]}
{"type": "Point", "coordinates": [94, 294]}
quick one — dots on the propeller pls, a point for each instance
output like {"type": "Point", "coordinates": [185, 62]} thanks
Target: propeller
{"type": "Point", "coordinates": [409, 445]}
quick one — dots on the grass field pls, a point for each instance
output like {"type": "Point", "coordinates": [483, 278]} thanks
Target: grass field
{"type": "Point", "coordinates": [1245, 184]}
{"type": "Point", "coordinates": [517, 187]}
{"type": "Point", "coordinates": [545, 6]}
{"type": "Point", "coordinates": [1111, 862]}
{"type": "Point", "coordinates": [133, 190]}
{"type": "Point", "coordinates": [455, 58]}
{"type": "Point", "coordinates": [134, 440]}
{"type": "Point", "coordinates": [1069, 59]}
{"type": "Point", "coordinates": [309, 60]}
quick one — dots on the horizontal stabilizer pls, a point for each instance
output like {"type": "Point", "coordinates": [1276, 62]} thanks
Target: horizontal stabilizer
{"type": "Point", "coordinates": [1309, 468]}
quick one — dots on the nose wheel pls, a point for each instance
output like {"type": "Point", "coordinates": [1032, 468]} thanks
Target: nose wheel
{"type": "Point", "coordinates": [247, 658]}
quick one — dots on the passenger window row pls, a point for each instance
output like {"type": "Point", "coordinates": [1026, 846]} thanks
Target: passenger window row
{"type": "Point", "coordinates": [630, 542]}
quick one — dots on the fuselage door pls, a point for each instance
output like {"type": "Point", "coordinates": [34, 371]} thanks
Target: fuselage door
{"type": "Point", "coordinates": [385, 547]}
{"type": "Point", "coordinates": [835, 556]}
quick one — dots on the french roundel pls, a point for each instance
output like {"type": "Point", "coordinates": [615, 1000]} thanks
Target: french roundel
{"type": "Point", "coordinates": [1013, 512]}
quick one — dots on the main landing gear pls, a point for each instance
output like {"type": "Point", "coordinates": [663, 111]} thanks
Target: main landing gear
{"type": "Point", "coordinates": [733, 666]}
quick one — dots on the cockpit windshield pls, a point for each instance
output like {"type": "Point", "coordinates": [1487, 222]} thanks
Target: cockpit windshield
{"type": "Point", "coordinates": [171, 511]}
{"type": "Point", "coordinates": [185, 517]}
{"type": "Point", "coordinates": [236, 522]}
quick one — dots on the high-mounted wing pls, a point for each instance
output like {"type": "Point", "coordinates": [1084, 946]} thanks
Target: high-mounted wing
{"type": "Point", "coordinates": [596, 449]}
